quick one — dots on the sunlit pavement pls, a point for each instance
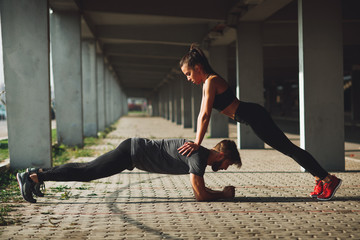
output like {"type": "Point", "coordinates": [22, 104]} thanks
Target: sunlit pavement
{"type": "Point", "coordinates": [271, 199]}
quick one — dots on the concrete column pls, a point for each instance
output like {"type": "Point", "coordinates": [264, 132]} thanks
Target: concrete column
{"type": "Point", "coordinates": [27, 82]}
{"type": "Point", "coordinates": [249, 69]}
{"type": "Point", "coordinates": [219, 123]}
{"type": "Point", "coordinates": [111, 97]}
{"type": "Point", "coordinates": [196, 94]}
{"type": "Point", "coordinates": [107, 97]}
{"type": "Point", "coordinates": [355, 93]}
{"type": "Point", "coordinates": [321, 82]}
{"type": "Point", "coordinates": [186, 108]}
{"type": "Point", "coordinates": [100, 92]}
{"type": "Point", "coordinates": [155, 105]}
{"type": "Point", "coordinates": [171, 102]}
{"type": "Point", "coordinates": [119, 100]}
{"type": "Point", "coordinates": [66, 60]}
{"type": "Point", "coordinates": [161, 103]}
{"type": "Point", "coordinates": [174, 100]}
{"type": "Point", "coordinates": [89, 88]}
{"type": "Point", "coordinates": [167, 101]}
{"type": "Point", "coordinates": [124, 103]}
{"type": "Point", "coordinates": [177, 91]}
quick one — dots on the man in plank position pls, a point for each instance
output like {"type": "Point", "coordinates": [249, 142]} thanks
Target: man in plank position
{"type": "Point", "coordinates": [156, 156]}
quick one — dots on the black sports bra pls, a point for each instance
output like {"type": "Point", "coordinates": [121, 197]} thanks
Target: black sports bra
{"type": "Point", "coordinates": [224, 99]}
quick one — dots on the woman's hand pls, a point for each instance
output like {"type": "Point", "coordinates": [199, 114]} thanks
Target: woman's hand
{"type": "Point", "coordinates": [188, 147]}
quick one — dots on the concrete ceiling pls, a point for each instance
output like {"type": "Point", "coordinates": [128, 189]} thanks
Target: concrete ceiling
{"type": "Point", "coordinates": [143, 40]}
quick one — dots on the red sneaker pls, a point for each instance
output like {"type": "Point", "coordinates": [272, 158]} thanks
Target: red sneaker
{"type": "Point", "coordinates": [318, 189]}
{"type": "Point", "coordinates": [330, 188]}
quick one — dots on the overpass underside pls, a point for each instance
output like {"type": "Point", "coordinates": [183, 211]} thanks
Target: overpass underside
{"type": "Point", "coordinates": [284, 55]}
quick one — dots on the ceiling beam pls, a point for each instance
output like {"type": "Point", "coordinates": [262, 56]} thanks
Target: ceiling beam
{"type": "Point", "coordinates": [172, 34]}
{"type": "Point", "coordinates": [211, 10]}
{"type": "Point", "coordinates": [262, 11]}
{"type": "Point", "coordinates": [147, 50]}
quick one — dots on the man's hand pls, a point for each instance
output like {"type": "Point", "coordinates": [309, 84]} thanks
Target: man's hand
{"type": "Point", "coordinates": [203, 193]}
{"type": "Point", "coordinates": [229, 192]}
{"type": "Point", "coordinates": [188, 147]}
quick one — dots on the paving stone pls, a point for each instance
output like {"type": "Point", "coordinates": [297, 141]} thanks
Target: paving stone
{"type": "Point", "coordinates": [271, 200]}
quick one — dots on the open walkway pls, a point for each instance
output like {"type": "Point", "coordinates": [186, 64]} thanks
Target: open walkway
{"type": "Point", "coordinates": [271, 199]}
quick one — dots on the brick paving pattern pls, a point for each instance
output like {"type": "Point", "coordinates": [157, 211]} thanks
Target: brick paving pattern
{"type": "Point", "coordinates": [271, 200]}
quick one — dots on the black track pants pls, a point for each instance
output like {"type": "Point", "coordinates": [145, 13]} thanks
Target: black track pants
{"type": "Point", "coordinates": [263, 125]}
{"type": "Point", "coordinates": [106, 165]}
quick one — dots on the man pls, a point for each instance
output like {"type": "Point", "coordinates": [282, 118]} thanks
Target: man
{"type": "Point", "coordinates": [156, 156]}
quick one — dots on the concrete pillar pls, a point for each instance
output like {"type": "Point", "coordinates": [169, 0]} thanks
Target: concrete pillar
{"type": "Point", "coordinates": [166, 101]}
{"type": "Point", "coordinates": [111, 97]}
{"type": "Point", "coordinates": [177, 91]}
{"type": "Point", "coordinates": [186, 108]}
{"type": "Point", "coordinates": [196, 94]}
{"type": "Point", "coordinates": [89, 88]}
{"type": "Point", "coordinates": [66, 60]}
{"type": "Point", "coordinates": [27, 82]}
{"type": "Point", "coordinates": [119, 104]}
{"type": "Point", "coordinates": [107, 97]}
{"type": "Point", "coordinates": [355, 93]}
{"type": "Point", "coordinates": [155, 105]}
{"type": "Point", "coordinates": [117, 100]}
{"type": "Point", "coordinates": [161, 103]}
{"type": "Point", "coordinates": [100, 92]}
{"type": "Point", "coordinates": [171, 102]}
{"type": "Point", "coordinates": [124, 103]}
{"type": "Point", "coordinates": [174, 100]}
{"type": "Point", "coordinates": [219, 123]}
{"type": "Point", "coordinates": [321, 82]}
{"type": "Point", "coordinates": [249, 69]}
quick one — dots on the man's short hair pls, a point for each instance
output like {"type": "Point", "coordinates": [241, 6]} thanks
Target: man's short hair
{"type": "Point", "coordinates": [229, 148]}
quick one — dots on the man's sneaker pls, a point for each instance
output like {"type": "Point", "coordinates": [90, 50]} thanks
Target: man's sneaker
{"type": "Point", "coordinates": [330, 188]}
{"type": "Point", "coordinates": [36, 187]}
{"type": "Point", "coordinates": [318, 189]}
{"type": "Point", "coordinates": [25, 186]}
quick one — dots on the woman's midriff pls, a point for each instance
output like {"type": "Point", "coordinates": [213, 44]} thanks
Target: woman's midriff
{"type": "Point", "coordinates": [231, 109]}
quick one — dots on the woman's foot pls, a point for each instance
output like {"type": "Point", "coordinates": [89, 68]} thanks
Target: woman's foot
{"type": "Point", "coordinates": [318, 189]}
{"type": "Point", "coordinates": [331, 185]}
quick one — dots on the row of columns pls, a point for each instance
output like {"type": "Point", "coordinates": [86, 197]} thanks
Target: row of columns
{"type": "Point", "coordinates": [320, 84]}
{"type": "Point", "coordinates": [88, 96]}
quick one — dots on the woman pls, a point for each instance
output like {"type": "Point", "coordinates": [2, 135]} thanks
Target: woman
{"type": "Point", "coordinates": [217, 94]}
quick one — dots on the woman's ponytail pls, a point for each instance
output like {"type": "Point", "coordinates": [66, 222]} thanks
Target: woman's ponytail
{"type": "Point", "coordinates": [194, 57]}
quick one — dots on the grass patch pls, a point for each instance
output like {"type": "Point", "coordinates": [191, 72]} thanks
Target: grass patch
{"type": "Point", "coordinates": [4, 149]}
{"type": "Point", "coordinates": [9, 193]}
{"type": "Point", "coordinates": [9, 190]}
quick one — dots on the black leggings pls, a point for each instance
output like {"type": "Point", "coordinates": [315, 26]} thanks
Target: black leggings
{"type": "Point", "coordinates": [261, 122]}
{"type": "Point", "coordinates": [106, 165]}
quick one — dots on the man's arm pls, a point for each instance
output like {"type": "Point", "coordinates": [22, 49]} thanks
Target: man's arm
{"type": "Point", "coordinates": [203, 193]}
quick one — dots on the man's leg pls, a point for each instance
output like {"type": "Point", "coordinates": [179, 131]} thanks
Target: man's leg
{"type": "Point", "coordinates": [108, 164]}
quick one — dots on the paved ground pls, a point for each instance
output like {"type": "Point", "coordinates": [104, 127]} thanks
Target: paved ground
{"type": "Point", "coordinates": [271, 200]}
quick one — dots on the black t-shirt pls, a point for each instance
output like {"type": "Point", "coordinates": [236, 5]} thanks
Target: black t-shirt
{"type": "Point", "coordinates": [162, 156]}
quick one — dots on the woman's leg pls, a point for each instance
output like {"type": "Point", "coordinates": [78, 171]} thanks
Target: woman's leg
{"type": "Point", "coordinates": [106, 165]}
{"type": "Point", "coordinates": [261, 122]}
